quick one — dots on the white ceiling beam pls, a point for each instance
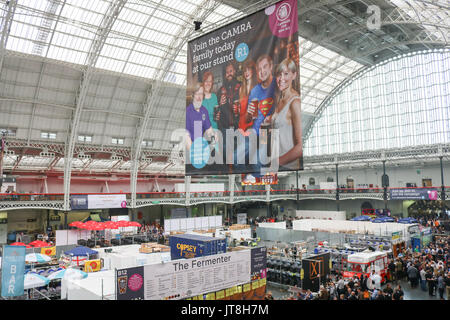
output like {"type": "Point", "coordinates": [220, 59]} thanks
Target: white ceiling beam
{"type": "Point", "coordinates": [96, 47]}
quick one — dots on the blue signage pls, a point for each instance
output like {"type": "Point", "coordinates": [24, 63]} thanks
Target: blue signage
{"type": "Point", "coordinates": [414, 194]}
{"type": "Point", "coordinates": [13, 271]}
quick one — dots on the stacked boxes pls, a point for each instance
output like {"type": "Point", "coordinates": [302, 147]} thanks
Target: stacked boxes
{"type": "Point", "coordinates": [188, 246]}
{"type": "Point", "coordinates": [238, 226]}
{"type": "Point", "coordinates": [152, 247]}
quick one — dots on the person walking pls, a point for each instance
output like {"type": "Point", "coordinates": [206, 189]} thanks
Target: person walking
{"type": "Point", "coordinates": [423, 280]}
{"type": "Point", "coordinates": [430, 280]}
{"type": "Point", "coordinates": [413, 275]}
{"type": "Point", "coordinates": [340, 286]}
{"type": "Point", "coordinates": [447, 285]}
{"type": "Point", "coordinates": [441, 285]}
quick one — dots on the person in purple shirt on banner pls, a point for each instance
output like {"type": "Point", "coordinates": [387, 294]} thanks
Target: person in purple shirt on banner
{"type": "Point", "coordinates": [197, 117]}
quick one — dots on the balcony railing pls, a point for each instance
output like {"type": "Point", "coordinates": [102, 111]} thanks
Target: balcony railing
{"type": "Point", "coordinates": [147, 198]}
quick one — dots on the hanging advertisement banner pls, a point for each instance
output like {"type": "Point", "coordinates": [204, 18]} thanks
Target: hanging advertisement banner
{"type": "Point", "coordinates": [243, 111]}
{"type": "Point", "coordinates": [130, 283]}
{"type": "Point", "coordinates": [259, 260]}
{"type": "Point", "coordinates": [191, 277]}
{"type": "Point", "coordinates": [13, 271]}
{"type": "Point", "coordinates": [414, 194]}
{"type": "Point", "coordinates": [241, 218]}
{"type": "Point", "coordinates": [98, 201]}
{"type": "Point", "coordinates": [251, 180]}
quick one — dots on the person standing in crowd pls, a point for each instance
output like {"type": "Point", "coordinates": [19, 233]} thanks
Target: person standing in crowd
{"type": "Point", "coordinates": [447, 284]}
{"type": "Point", "coordinates": [197, 116]}
{"type": "Point", "coordinates": [423, 280]}
{"type": "Point", "coordinates": [413, 275]}
{"type": "Point", "coordinates": [388, 292]}
{"type": "Point", "coordinates": [340, 286]}
{"type": "Point", "coordinates": [376, 280]}
{"type": "Point", "coordinates": [398, 269]}
{"type": "Point", "coordinates": [398, 293]}
{"type": "Point", "coordinates": [441, 285]}
{"type": "Point", "coordinates": [363, 282]}
{"type": "Point", "coordinates": [210, 98]}
{"type": "Point", "coordinates": [431, 281]}
{"type": "Point", "coordinates": [391, 268]}
{"type": "Point", "coordinates": [287, 116]}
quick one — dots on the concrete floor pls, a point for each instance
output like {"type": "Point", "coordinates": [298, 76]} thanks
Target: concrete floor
{"type": "Point", "coordinates": [410, 293]}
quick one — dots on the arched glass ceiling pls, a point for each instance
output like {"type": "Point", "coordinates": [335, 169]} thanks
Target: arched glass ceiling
{"type": "Point", "coordinates": [400, 103]}
{"type": "Point", "coordinates": [64, 30]}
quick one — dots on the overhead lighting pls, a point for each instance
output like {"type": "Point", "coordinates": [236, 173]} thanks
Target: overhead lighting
{"type": "Point", "coordinates": [307, 20]}
{"type": "Point", "coordinates": [345, 40]}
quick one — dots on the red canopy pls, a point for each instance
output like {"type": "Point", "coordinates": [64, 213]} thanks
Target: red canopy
{"type": "Point", "coordinates": [135, 224]}
{"type": "Point", "coordinates": [93, 226]}
{"type": "Point", "coordinates": [20, 244]}
{"type": "Point", "coordinates": [110, 225]}
{"type": "Point", "coordinates": [123, 224]}
{"type": "Point", "coordinates": [39, 244]}
{"type": "Point", "coordinates": [76, 224]}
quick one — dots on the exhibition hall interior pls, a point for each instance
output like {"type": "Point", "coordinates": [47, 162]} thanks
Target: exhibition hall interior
{"type": "Point", "coordinates": [225, 150]}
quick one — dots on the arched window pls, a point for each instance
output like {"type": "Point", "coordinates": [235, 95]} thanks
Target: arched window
{"type": "Point", "coordinates": [401, 102]}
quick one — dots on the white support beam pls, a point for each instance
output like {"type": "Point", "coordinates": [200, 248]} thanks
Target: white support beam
{"type": "Point", "coordinates": [187, 190]}
{"type": "Point", "coordinates": [154, 90]}
{"type": "Point", "coordinates": [7, 19]}
{"type": "Point", "coordinates": [231, 185]}
{"type": "Point", "coordinates": [96, 47]}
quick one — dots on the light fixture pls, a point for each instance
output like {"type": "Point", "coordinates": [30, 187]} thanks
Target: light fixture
{"type": "Point", "coordinates": [197, 25]}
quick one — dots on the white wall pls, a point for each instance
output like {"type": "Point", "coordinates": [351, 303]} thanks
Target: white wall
{"type": "Point", "coordinates": [320, 214]}
{"type": "Point", "coordinates": [273, 225]}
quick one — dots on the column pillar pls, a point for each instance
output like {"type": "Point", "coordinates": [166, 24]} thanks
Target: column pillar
{"type": "Point", "coordinates": [337, 188]}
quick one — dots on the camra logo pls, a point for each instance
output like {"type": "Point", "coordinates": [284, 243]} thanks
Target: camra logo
{"type": "Point", "coordinates": [283, 12]}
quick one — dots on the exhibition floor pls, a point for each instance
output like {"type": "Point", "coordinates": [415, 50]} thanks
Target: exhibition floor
{"type": "Point", "coordinates": [410, 293]}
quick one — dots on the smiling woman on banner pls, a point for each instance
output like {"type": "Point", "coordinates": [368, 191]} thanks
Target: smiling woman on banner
{"type": "Point", "coordinates": [249, 82]}
{"type": "Point", "coordinates": [197, 115]}
{"type": "Point", "coordinates": [287, 116]}
{"type": "Point", "coordinates": [210, 99]}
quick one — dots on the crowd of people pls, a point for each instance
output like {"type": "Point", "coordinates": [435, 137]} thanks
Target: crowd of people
{"type": "Point", "coordinates": [154, 230]}
{"type": "Point", "coordinates": [427, 268]}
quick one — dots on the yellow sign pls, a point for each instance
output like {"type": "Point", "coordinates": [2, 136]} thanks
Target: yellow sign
{"type": "Point", "coordinates": [92, 265]}
{"type": "Point", "coordinates": [229, 292]}
{"type": "Point", "coordinates": [211, 296]}
{"type": "Point", "coordinates": [220, 294]}
{"type": "Point", "coordinates": [194, 298]}
{"type": "Point", "coordinates": [200, 297]}
{"type": "Point", "coordinates": [49, 251]}
{"type": "Point", "coordinates": [239, 289]}
{"type": "Point", "coordinates": [255, 285]}
{"type": "Point", "coordinates": [263, 282]}
{"type": "Point", "coordinates": [302, 274]}
{"type": "Point", "coordinates": [247, 287]}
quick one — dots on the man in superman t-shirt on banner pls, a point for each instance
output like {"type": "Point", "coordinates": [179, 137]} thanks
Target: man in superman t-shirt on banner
{"type": "Point", "coordinates": [260, 105]}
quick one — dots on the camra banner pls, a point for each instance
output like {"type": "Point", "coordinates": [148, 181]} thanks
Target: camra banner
{"type": "Point", "coordinates": [243, 96]}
